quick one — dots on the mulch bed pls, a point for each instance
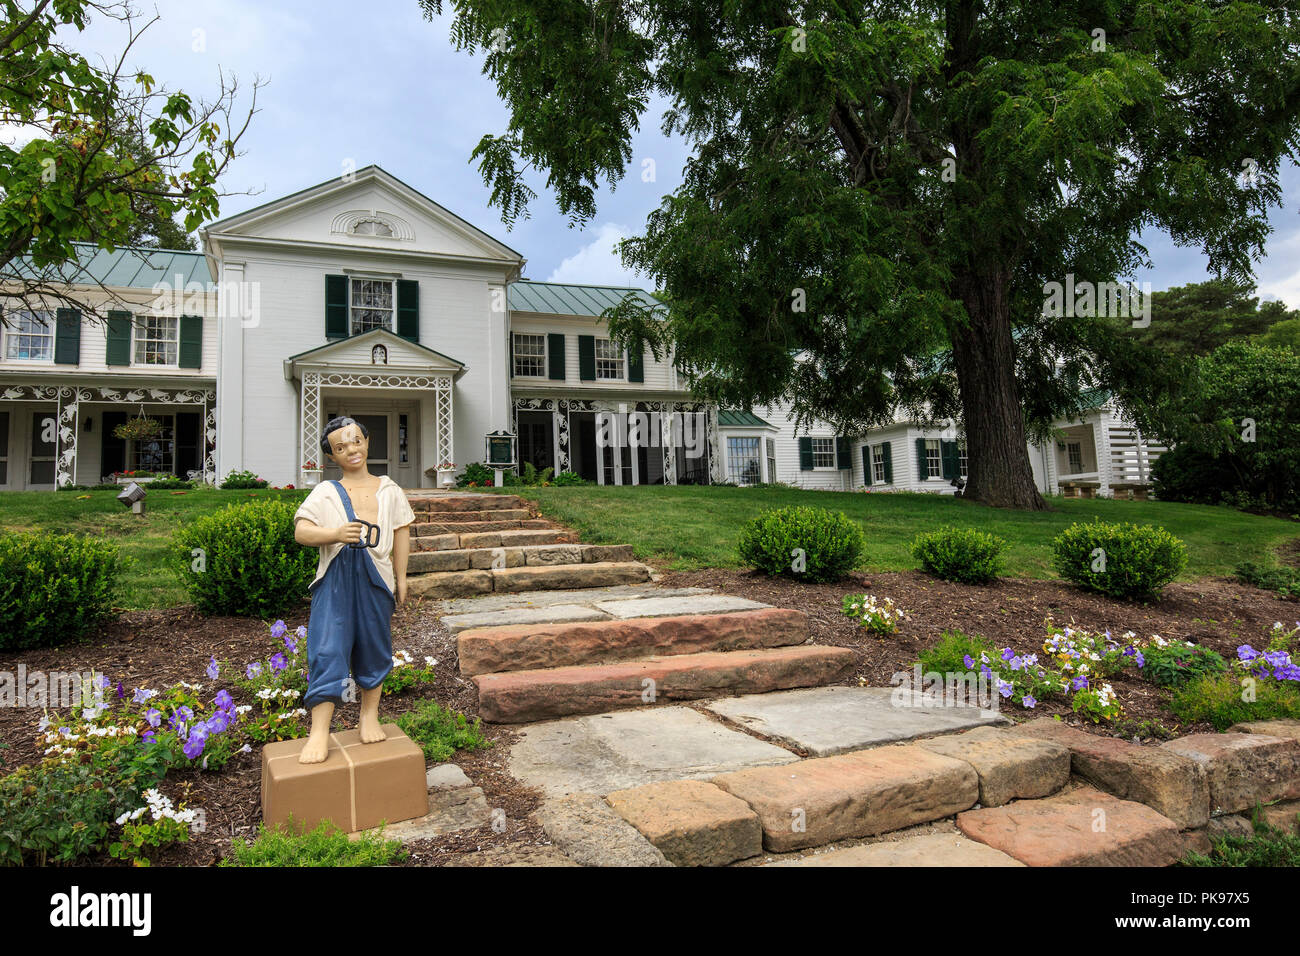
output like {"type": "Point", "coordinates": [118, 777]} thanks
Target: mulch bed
{"type": "Point", "coordinates": [158, 648]}
{"type": "Point", "coordinates": [1220, 614]}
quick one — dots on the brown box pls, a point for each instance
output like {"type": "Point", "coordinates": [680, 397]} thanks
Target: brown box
{"type": "Point", "coordinates": [356, 787]}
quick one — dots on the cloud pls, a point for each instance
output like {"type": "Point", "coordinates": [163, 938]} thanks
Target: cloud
{"type": "Point", "coordinates": [597, 262]}
{"type": "Point", "coordinates": [1279, 275]}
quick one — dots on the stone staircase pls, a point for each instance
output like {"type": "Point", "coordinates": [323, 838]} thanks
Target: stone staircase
{"type": "Point", "coordinates": [467, 544]}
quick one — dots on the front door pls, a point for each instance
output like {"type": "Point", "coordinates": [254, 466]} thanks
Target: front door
{"type": "Point", "coordinates": [382, 436]}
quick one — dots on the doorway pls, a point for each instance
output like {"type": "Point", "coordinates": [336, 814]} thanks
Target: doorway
{"type": "Point", "coordinates": [392, 433]}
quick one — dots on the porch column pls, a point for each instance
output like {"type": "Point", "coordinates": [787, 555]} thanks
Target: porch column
{"type": "Point", "coordinates": [446, 438]}
{"type": "Point", "coordinates": [668, 433]}
{"type": "Point", "coordinates": [66, 433]}
{"type": "Point", "coordinates": [560, 423]}
{"type": "Point", "coordinates": [309, 424]}
{"type": "Point", "coordinates": [716, 465]}
{"type": "Point", "coordinates": [209, 438]}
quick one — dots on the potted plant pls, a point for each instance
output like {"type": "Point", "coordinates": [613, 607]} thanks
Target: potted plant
{"type": "Point", "coordinates": [447, 474]}
{"type": "Point", "coordinates": [139, 428]}
{"type": "Point", "coordinates": [310, 473]}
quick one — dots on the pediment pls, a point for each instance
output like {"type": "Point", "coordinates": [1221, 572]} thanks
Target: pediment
{"type": "Point", "coordinates": [377, 350]}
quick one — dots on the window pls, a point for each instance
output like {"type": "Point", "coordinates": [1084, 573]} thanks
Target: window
{"type": "Point", "coordinates": [609, 361]}
{"type": "Point", "coordinates": [961, 455]}
{"type": "Point", "coordinates": [157, 340]}
{"type": "Point", "coordinates": [30, 336]}
{"type": "Point", "coordinates": [771, 459]}
{"type": "Point", "coordinates": [742, 460]}
{"type": "Point", "coordinates": [877, 464]}
{"type": "Point", "coordinates": [933, 459]}
{"type": "Point", "coordinates": [823, 452]}
{"type": "Point", "coordinates": [1074, 452]}
{"type": "Point", "coordinates": [371, 305]}
{"type": "Point", "coordinates": [530, 355]}
{"type": "Point", "coordinates": [154, 454]}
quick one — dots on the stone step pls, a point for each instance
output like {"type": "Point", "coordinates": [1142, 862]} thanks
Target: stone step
{"type": "Point", "coordinates": [451, 541]}
{"type": "Point", "coordinates": [528, 646]}
{"type": "Point", "coordinates": [861, 794]}
{"type": "Point", "coordinates": [439, 503]}
{"type": "Point", "coordinates": [927, 849]}
{"type": "Point", "coordinates": [532, 555]}
{"type": "Point", "coordinates": [519, 696]}
{"type": "Point", "coordinates": [456, 584]}
{"type": "Point", "coordinates": [423, 529]}
{"type": "Point", "coordinates": [471, 517]}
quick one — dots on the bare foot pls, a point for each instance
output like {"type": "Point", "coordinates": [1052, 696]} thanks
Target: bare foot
{"type": "Point", "coordinates": [371, 730]}
{"type": "Point", "coordinates": [318, 745]}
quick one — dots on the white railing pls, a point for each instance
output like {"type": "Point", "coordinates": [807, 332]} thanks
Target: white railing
{"type": "Point", "coordinates": [1131, 456]}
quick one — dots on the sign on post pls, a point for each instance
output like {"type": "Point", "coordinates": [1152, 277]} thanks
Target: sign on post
{"type": "Point", "coordinates": [500, 453]}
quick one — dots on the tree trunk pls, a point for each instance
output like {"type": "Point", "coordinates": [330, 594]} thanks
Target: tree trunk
{"type": "Point", "coordinates": [998, 471]}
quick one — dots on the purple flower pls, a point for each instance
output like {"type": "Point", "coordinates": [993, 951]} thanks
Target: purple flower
{"type": "Point", "coordinates": [142, 695]}
{"type": "Point", "coordinates": [147, 737]}
{"type": "Point", "coordinates": [1141, 661]}
{"type": "Point", "coordinates": [194, 744]}
{"type": "Point", "coordinates": [1007, 653]}
{"type": "Point", "coordinates": [278, 663]}
{"type": "Point", "coordinates": [279, 629]}
{"type": "Point", "coordinates": [154, 716]}
{"type": "Point", "coordinates": [968, 661]}
{"type": "Point", "coordinates": [1028, 701]}
{"type": "Point", "coordinates": [302, 630]}
{"type": "Point", "coordinates": [254, 670]}
{"type": "Point", "coordinates": [1247, 653]}
{"type": "Point", "coordinates": [219, 722]}
{"type": "Point", "coordinates": [1005, 689]}
{"type": "Point", "coordinates": [104, 681]}
{"type": "Point", "coordinates": [212, 669]}
{"type": "Point", "coordinates": [121, 691]}
{"type": "Point", "coordinates": [1016, 663]}
{"type": "Point", "coordinates": [290, 644]}
{"type": "Point", "coordinates": [224, 700]}
{"type": "Point", "coordinates": [1080, 682]}
{"type": "Point", "coordinates": [986, 672]}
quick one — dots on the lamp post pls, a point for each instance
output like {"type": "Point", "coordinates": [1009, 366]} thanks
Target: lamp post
{"type": "Point", "coordinates": [133, 495]}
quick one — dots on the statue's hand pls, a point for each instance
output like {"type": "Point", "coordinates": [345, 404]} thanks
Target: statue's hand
{"type": "Point", "coordinates": [349, 533]}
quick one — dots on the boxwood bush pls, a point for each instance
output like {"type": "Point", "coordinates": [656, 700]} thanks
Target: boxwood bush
{"type": "Point", "coordinates": [1121, 560]}
{"type": "Point", "coordinates": [1217, 698]}
{"type": "Point", "coordinates": [830, 542]}
{"type": "Point", "coordinates": [243, 560]}
{"type": "Point", "coordinates": [54, 588]}
{"type": "Point", "coordinates": [960, 554]}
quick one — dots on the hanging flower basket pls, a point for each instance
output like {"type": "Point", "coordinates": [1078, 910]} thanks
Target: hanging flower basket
{"type": "Point", "coordinates": [138, 429]}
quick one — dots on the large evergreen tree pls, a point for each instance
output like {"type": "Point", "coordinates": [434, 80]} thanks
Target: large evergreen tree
{"type": "Point", "coordinates": [1195, 319]}
{"type": "Point", "coordinates": [879, 192]}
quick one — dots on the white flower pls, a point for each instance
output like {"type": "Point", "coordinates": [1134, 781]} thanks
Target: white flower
{"type": "Point", "coordinates": [430, 661]}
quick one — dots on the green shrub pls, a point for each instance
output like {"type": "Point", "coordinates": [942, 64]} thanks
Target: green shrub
{"type": "Point", "coordinates": [441, 732]}
{"type": "Point", "coordinates": [569, 478]}
{"type": "Point", "coordinates": [1217, 699]}
{"type": "Point", "coordinates": [169, 482]}
{"type": "Point", "coordinates": [238, 480]}
{"type": "Point", "coordinates": [54, 588]}
{"type": "Point", "coordinates": [812, 544]}
{"type": "Point", "coordinates": [324, 846]}
{"type": "Point", "coordinates": [960, 554]}
{"type": "Point", "coordinates": [243, 560]}
{"type": "Point", "coordinates": [1121, 560]}
{"type": "Point", "coordinates": [1285, 581]}
{"type": "Point", "coordinates": [529, 475]}
{"type": "Point", "coordinates": [1269, 846]}
{"type": "Point", "coordinates": [1177, 663]}
{"type": "Point", "coordinates": [476, 473]}
{"type": "Point", "coordinates": [948, 655]}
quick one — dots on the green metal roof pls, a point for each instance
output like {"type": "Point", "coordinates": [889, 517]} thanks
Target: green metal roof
{"type": "Point", "coordinates": [735, 418]}
{"type": "Point", "coordinates": [563, 299]}
{"type": "Point", "coordinates": [130, 267]}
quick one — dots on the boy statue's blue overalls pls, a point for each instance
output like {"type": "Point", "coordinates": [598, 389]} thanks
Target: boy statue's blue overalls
{"type": "Point", "coordinates": [349, 631]}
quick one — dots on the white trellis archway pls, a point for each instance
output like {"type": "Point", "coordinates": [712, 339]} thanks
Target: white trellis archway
{"type": "Point", "coordinates": [68, 400]}
{"type": "Point", "coordinates": [310, 405]}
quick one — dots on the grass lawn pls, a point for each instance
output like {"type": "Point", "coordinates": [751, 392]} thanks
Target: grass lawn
{"type": "Point", "coordinates": [149, 581]}
{"type": "Point", "coordinates": [689, 527]}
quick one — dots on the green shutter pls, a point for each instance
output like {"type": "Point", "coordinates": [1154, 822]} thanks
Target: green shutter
{"type": "Point", "coordinates": [408, 309]}
{"type": "Point", "coordinates": [636, 365]}
{"type": "Point", "coordinates": [67, 337]}
{"type": "Point", "coordinates": [555, 356]}
{"type": "Point", "coordinates": [843, 454]}
{"type": "Point", "coordinates": [866, 464]}
{"type": "Point", "coordinates": [950, 462]}
{"type": "Point", "coordinates": [336, 307]}
{"type": "Point", "coordinates": [922, 467]}
{"type": "Point", "coordinates": [805, 454]}
{"type": "Point", "coordinates": [510, 356]}
{"type": "Point", "coordinates": [587, 358]}
{"type": "Point", "coordinates": [191, 350]}
{"type": "Point", "coordinates": [118, 350]}
{"type": "Point", "coordinates": [889, 463]}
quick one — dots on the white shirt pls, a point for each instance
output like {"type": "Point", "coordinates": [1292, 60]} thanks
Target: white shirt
{"type": "Point", "coordinates": [324, 508]}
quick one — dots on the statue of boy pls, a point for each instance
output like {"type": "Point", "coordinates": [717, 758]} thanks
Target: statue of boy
{"type": "Point", "coordinates": [358, 583]}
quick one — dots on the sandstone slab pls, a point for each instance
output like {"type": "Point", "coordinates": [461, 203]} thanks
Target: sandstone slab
{"type": "Point", "coordinates": [518, 696]}
{"type": "Point", "coordinates": [608, 552]}
{"type": "Point", "coordinates": [859, 794]}
{"type": "Point", "coordinates": [549, 554]}
{"type": "Point", "coordinates": [543, 642]}
{"type": "Point", "coordinates": [676, 606]}
{"type": "Point", "coordinates": [423, 562]}
{"type": "Point", "coordinates": [590, 596]}
{"type": "Point", "coordinates": [446, 776]}
{"type": "Point", "coordinates": [1243, 769]}
{"type": "Point", "coordinates": [542, 536]}
{"type": "Point", "coordinates": [461, 808]}
{"type": "Point", "coordinates": [829, 720]}
{"type": "Point", "coordinates": [1168, 782]}
{"type": "Point", "coordinates": [1230, 824]}
{"type": "Point", "coordinates": [1009, 767]}
{"type": "Point", "coordinates": [523, 616]}
{"type": "Point", "coordinates": [1271, 728]}
{"type": "Point", "coordinates": [1285, 816]}
{"type": "Point", "coordinates": [488, 558]}
{"type": "Point", "coordinates": [608, 752]}
{"type": "Point", "coordinates": [930, 849]}
{"type": "Point", "coordinates": [1084, 827]}
{"type": "Point", "coordinates": [693, 823]}
{"type": "Point", "coordinates": [598, 574]}
{"type": "Point", "coordinates": [512, 856]}
{"type": "Point", "coordinates": [590, 833]}
{"type": "Point", "coordinates": [450, 584]}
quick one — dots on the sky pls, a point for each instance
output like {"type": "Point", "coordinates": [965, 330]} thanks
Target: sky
{"type": "Point", "coordinates": [357, 84]}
